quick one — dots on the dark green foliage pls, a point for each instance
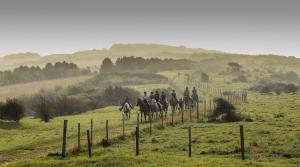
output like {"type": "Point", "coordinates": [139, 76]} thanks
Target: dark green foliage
{"type": "Point", "coordinates": [224, 111]}
{"type": "Point", "coordinates": [42, 110]}
{"type": "Point", "coordinates": [142, 65]}
{"type": "Point", "coordinates": [12, 110]}
{"type": "Point", "coordinates": [278, 88]}
{"type": "Point", "coordinates": [204, 77]}
{"type": "Point", "coordinates": [234, 67]}
{"type": "Point", "coordinates": [24, 74]}
{"type": "Point", "coordinates": [286, 78]}
{"type": "Point", "coordinates": [115, 95]}
{"type": "Point", "coordinates": [107, 66]}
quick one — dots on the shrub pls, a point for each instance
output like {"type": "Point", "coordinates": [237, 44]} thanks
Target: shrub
{"type": "Point", "coordinates": [290, 88]}
{"type": "Point", "coordinates": [42, 110]}
{"type": "Point", "coordinates": [113, 95]}
{"type": "Point", "coordinates": [12, 110]}
{"type": "Point", "coordinates": [224, 111]}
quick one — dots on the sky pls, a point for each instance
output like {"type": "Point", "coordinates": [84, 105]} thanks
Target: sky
{"type": "Point", "coordinates": [65, 26]}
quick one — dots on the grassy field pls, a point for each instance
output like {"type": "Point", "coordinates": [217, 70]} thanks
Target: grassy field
{"type": "Point", "coordinates": [272, 139]}
{"type": "Point", "coordinates": [34, 87]}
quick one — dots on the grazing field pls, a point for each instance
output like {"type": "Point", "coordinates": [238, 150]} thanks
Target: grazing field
{"type": "Point", "coordinates": [34, 87]}
{"type": "Point", "coordinates": [271, 139]}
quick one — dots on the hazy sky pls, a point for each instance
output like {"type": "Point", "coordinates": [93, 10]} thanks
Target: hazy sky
{"type": "Point", "coordinates": [58, 26]}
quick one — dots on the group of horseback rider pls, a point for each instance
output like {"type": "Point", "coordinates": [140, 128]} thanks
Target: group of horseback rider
{"type": "Point", "coordinates": [162, 102]}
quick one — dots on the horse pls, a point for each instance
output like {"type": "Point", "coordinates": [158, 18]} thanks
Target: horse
{"type": "Point", "coordinates": [194, 101]}
{"type": "Point", "coordinates": [187, 102]}
{"type": "Point", "coordinates": [173, 103]}
{"type": "Point", "coordinates": [165, 107]}
{"type": "Point", "coordinates": [127, 110]}
{"type": "Point", "coordinates": [155, 108]}
{"type": "Point", "coordinates": [144, 108]}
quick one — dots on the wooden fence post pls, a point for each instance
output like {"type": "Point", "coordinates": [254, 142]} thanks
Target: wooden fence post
{"type": "Point", "coordinates": [162, 119]}
{"type": "Point", "coordinates": [197, 110]}
{"type": "Point", "coordinates": [204, 108]}
{"type": "Point", "coordinates": [182, 116]}
{"type": "Point", "coordinates": [89, 144]}
{"type": "Point", "coordinates": [150, 122]}
{"type": "Point", "coordinates": [190, 113]}
{"type": "Point", "coordinates": [64, 144]}
{"type": "Point", "coordinates": [78, 138]}
{"type": "Point", "coordinates": [172, 117]}
{"type": "Point", "coordinates": [92, 126]}
{"type": "Point", "coordinates": [106, 127]}
{"type": "Point", "coordinates": [138, 120]}
{"type": "Point", "coordinates": [123, 128]}
{"type": "Point", "coordinates": [210, 108]}
{"type": "Point", "coordinates": [141, 117]}
{"type": "Point", "coordinates": [190, 142]}
{"type": "Point", "coordinates": [137, 139]}
{"type": "Point", "coordinates": [242, 142]}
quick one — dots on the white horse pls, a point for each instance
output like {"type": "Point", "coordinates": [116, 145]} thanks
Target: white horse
{"type": "Point", "coordinates": [127, 110]}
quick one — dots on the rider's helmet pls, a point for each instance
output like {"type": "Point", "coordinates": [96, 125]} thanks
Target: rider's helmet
{"type": "Point", "coordinates": [162, 92]}
{"type": "Point", "coordinates": [156, 92]}
{"type": "Point", "coordinates": [145, 93]}
{"type": "Point", "coordinates": [186, 88]}
{"type": "Point", "coordinates": [173, 91]}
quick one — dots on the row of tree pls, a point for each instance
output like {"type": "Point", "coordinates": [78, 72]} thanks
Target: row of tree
{"type": "Point", "coordinates": [24, 74]}
{"type": "Point", "coordinates": [139, 64]}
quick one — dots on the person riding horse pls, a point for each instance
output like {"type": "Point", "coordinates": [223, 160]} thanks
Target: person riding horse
{"type": "Point", "coordinates": [126, 106]}
{"type": "Point", "coordinates": [194, 95]}
{"type": "Point", "coordinates": [186, 97]}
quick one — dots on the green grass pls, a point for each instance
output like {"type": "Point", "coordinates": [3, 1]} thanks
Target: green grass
{"type": "Point", "coordinates": [274, 134]}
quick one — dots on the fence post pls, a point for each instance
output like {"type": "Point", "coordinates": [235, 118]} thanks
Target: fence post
{"type": "Point", "coordinates": [106, 127]}
{"type": "Point", "coordinates": [141, 117]}
{"type": "Point", "coordinates": [137, 138]}
{"type": "Point", "coordinates": [138, 120]}
{"type": "Point", "coordinates": [242, 142]}
{"type": "Point", "coordinates": [172, 117]}
{"type": "Point", "coordinates": [150, 130]}
{"type": "Point", "coordinates": [89, 143]}
{"type": "Point", "coordinates": [190, 142]}
{"type": "Point", "coordinates": [64, 144]}
{"type": "Point", "coordinates": [190, 113]}
{"type": "Point", "coordinates": [91, 131]}
{"type": "Point", "coordinates": [78, 138]}
{"type": "Point", "coordinates": [123, 129]}
{"type": "Point", "coordinates": [210, 108]}
{"type": "Point", "coordinates": [162, 119]}
{"type": "Point", "coordinates": [204, 108]}
{"type": "Point", "coordinates": [182, 116]}
{"type": "Point", "coordinates": [197, 110]}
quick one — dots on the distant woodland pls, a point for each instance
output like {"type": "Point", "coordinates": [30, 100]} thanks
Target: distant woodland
{"type": "Point", "coordinates": [24, 74]}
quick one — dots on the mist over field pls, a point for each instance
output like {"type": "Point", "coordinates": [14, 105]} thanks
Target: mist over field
{"type": "Point", "coordinates": [149, 83]}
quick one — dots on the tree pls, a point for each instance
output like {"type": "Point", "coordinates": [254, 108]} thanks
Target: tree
{"type": "Point", "coordinates": [204, 77]}
{"type": "Point", "coordinates": [107, 66]}
{"type": "Point", "coordinates": [12, 110]}
{"type": "Point", "coordinates": [42, 110]}
{"type": "Point", "coordinates": [234, 67]}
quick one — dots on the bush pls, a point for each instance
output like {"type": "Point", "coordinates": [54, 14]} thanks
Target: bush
{"type": "Point", "coordinates": [43, 111]}
{"type": "Point", "coordinates": [12, 110]}
{"type": "Point", "coordinates": [224, 111]}
{"type": "Point", "coordinates": [290, 88]}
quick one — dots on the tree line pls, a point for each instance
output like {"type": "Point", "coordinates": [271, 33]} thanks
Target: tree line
{"type": "Point", "coordinates": [25, 74]}
{"type": "Point", "coordinates": [142, 65]}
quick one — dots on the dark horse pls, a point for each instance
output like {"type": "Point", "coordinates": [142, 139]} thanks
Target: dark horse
{"type": "Point", "coordinates": [165, 107]}
{"type": "Point", "coordinates": [173, 103]}
{"type": "Point", "coordinates": [187, 102]}
{"type": "Point", "coordinates": [144, 108]}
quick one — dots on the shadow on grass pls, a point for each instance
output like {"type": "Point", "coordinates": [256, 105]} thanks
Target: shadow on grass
{"type": "Point", "coordinates": [9, 125]}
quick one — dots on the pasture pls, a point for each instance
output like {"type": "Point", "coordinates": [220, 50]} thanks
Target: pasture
{"type": "Point", "coordinates": [18, 90]}
{"type": "Point", "coordinates": [272, 139]}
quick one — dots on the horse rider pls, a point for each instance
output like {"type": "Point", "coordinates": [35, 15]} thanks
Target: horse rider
{"type": "Point", "coordinates": [157, 96]}
{"type": "Point", "coordinates": [194, 94]}
{"type": "Point", "coordinates": [152, 95]}
{"type": "Point", "coordinates": [163, 97]}
{"type": "Point", "coordinates": [146, 98]}
{"type": "Point", "coordinates": [173, 94]}
{"type": "Point", "coordinates": [126, 100]}
{"type": "Point", "coordinates": [186, 92]}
